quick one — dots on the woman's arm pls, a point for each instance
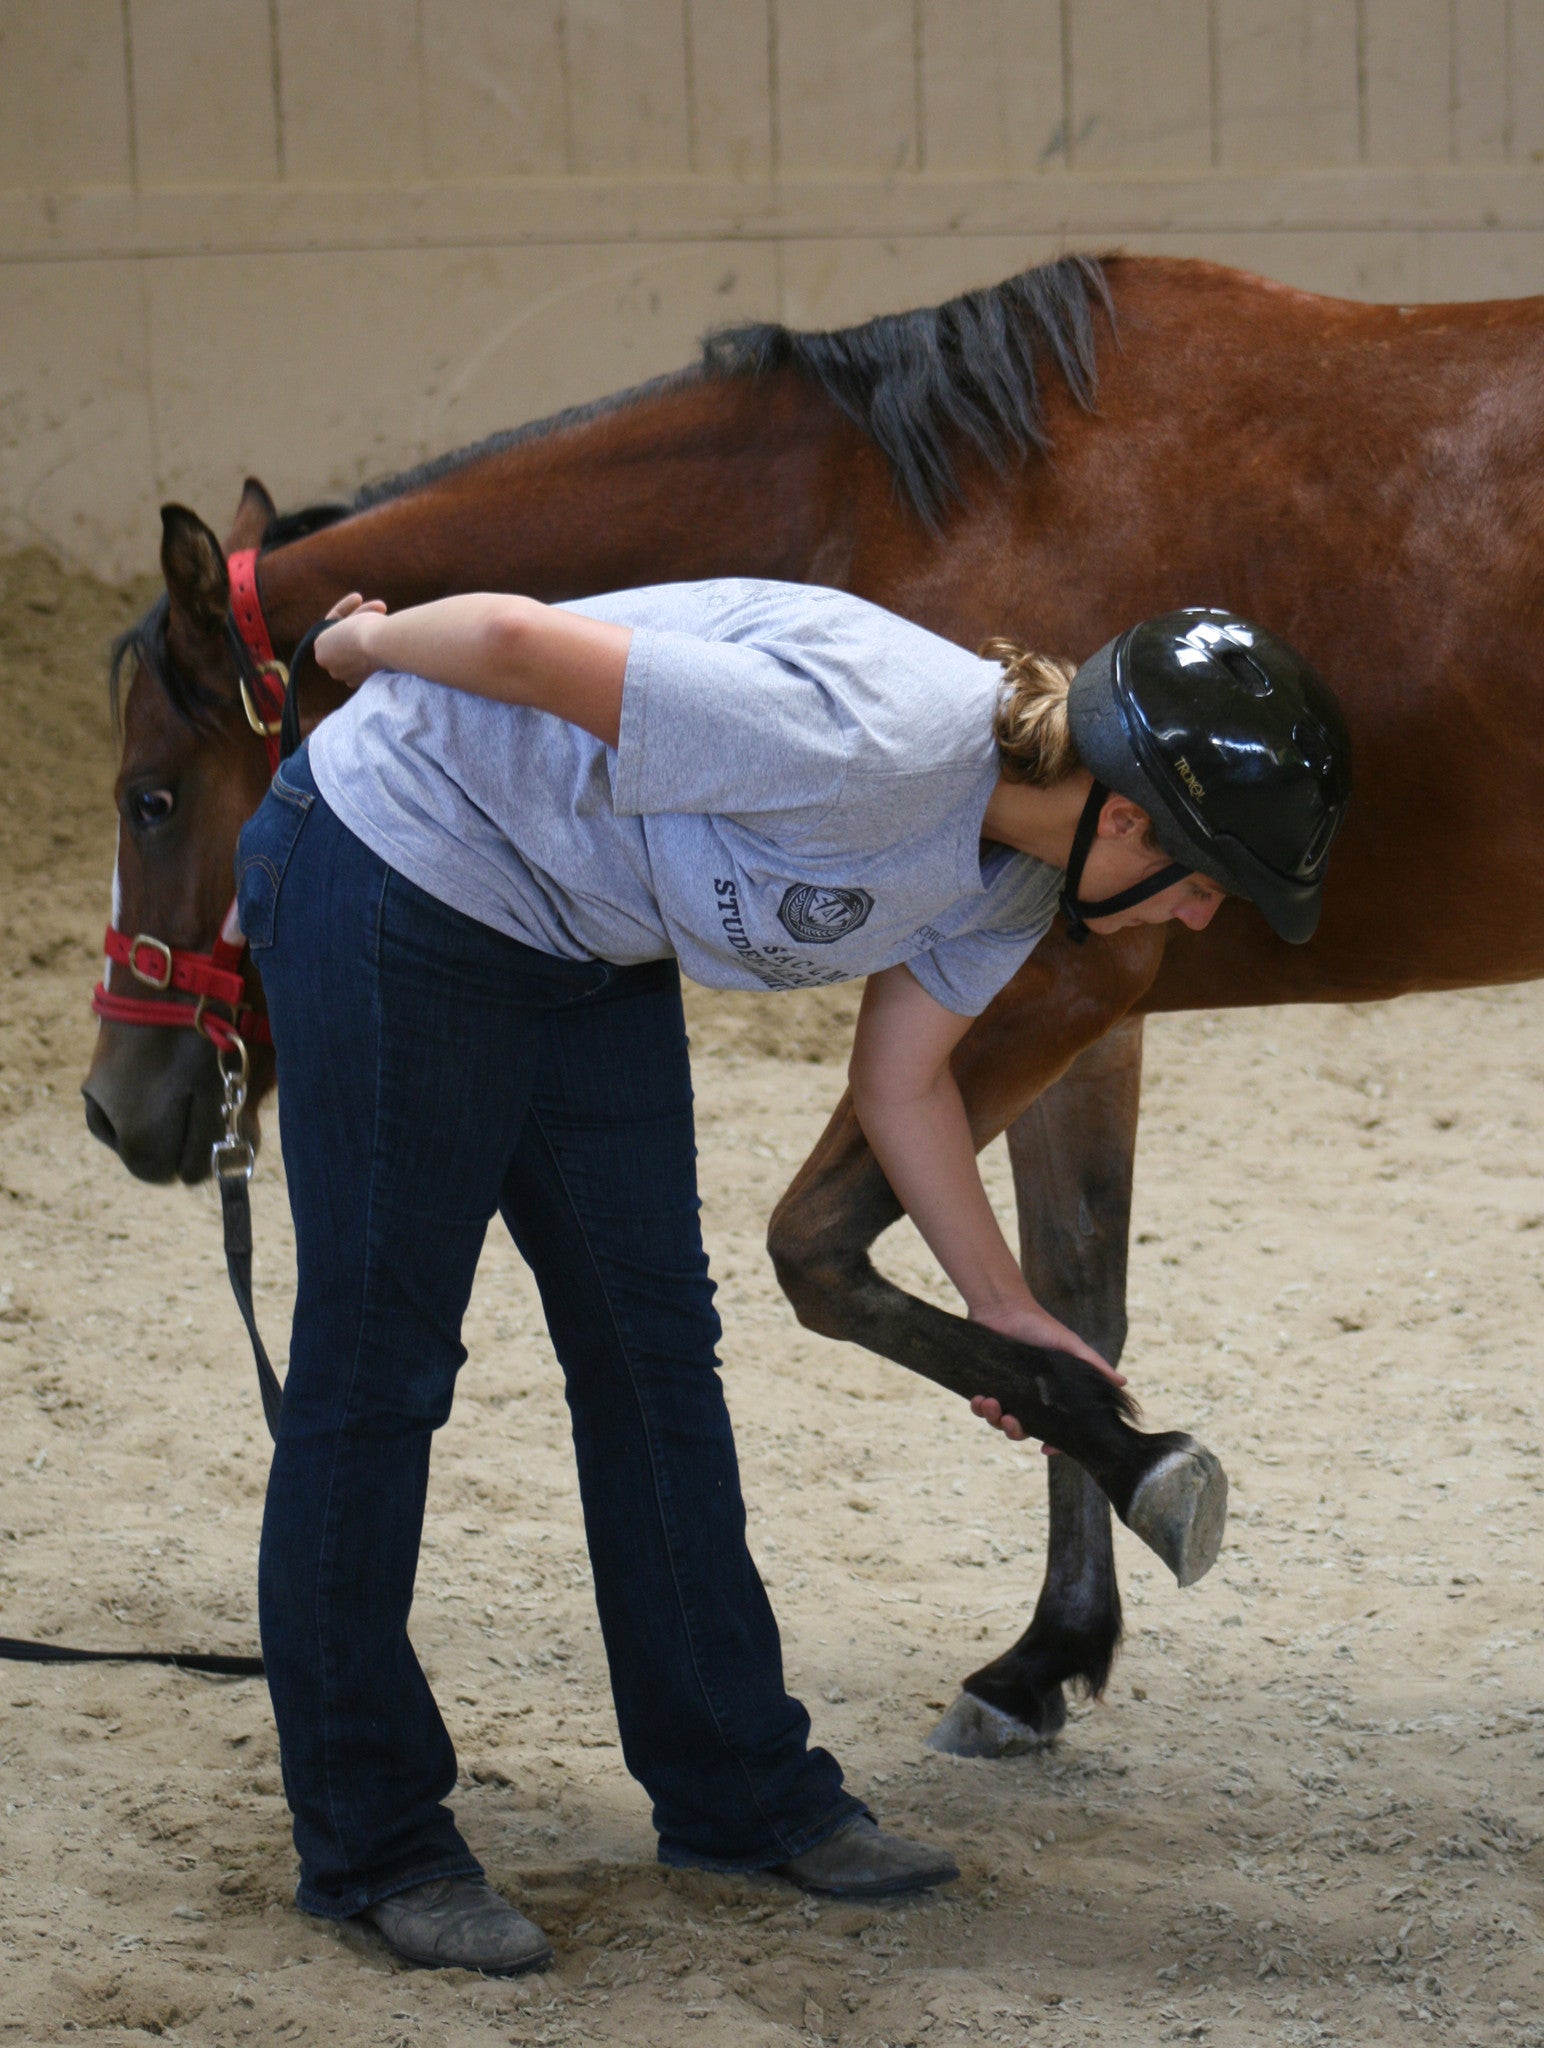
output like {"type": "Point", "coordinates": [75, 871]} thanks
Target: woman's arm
{"type": "Point", "coordinates": [513, 649]}
{"type": "Point", "coordinates": [912, 1114]}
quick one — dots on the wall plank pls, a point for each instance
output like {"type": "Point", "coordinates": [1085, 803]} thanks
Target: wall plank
{"type": "Point", "coordinates": [1499, 265]}
{"type": "Point", "coordinates": [77, 467]}
{"type": "Point", "coordinates": [64, 104]}
{"type": "Point", "coordinates": [1286, 83]}
{"type": "Point", "coordinates": [627, 84]}
{"type": "Point", "coordinates": [205, 100]}
{"type": "Point", "coordinates": [498, 337]}
{"type": "Point", "coordinates": [847, 85]}
{"type": "Point", "coordinates": [350, 99]}
{"type": "Point", "coordinates": [1365, 263]}
{"type": "Point", "coordinates": [992, 86]}
{"type": "Point", "coordinates": [1408, 67]}
{"type": "Point", "coordinates": [827, 284]}
{"type": "Point", "coordinates": [730, 81]}
{"type": "Point", "coordinates": [495, 89]}
{"type": "Point", "coordinates": [1141, 85]}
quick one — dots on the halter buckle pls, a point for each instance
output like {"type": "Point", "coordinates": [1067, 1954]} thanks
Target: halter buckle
{"type": "Point", "coordinates": [264, 728]}
{"type": "Point", "coordinates": [161, 976]}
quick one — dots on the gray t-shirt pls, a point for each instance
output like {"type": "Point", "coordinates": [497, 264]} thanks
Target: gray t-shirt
{"type": "Point", "coordinates": [795, 799]}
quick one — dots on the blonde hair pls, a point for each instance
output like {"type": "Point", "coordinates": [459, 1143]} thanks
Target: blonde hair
{"type": "Point", "coordinates": [1033, 733]}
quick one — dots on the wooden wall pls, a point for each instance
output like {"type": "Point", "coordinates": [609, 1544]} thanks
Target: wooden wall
{"type": "Point", "coordinates": [319, 238]}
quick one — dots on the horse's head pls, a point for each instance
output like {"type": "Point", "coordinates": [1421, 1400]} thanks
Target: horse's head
{"type": "Point", "coordinates": [191, 774]}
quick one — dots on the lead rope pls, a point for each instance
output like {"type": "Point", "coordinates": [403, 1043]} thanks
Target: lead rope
{"type": "Point", "coordinates": [233, 1160]}
{"type": "Point", "coordinates": [232, 1157]}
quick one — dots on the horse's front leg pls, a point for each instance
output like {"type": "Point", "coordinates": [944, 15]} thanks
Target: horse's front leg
{"type": "Point", "coordinates": [1072, 1154]}
{"type": "Point", "coordinates": [1167, 1488]}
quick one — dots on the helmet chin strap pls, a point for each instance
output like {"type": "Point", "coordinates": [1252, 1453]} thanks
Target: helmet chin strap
{"type": "Point", "coordinates": [1078, 913]}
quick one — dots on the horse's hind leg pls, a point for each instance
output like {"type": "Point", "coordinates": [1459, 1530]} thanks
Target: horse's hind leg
{"type": "Point", "coordinates": [1072, 1154]}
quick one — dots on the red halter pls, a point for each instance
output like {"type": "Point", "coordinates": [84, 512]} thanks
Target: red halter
{"type": "Point", "coordinates": [215, 976]}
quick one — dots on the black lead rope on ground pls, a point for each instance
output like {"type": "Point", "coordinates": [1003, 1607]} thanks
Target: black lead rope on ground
{"type": "Point", "coordinates": [211, 1663]}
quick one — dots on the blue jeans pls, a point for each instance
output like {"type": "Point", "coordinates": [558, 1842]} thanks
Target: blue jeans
{"type": "Point", "coordinates": [432, 1071]}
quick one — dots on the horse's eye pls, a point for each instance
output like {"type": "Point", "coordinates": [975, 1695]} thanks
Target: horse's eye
{"type": "Point", "coordinates": [151, 806]}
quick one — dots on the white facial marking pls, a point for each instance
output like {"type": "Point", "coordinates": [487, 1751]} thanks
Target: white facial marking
{"type": "Point", "coordinates": [107, 965]}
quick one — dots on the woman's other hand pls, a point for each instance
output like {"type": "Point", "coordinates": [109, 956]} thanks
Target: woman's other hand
{"type": "Point", "coordinates": [344, 650]}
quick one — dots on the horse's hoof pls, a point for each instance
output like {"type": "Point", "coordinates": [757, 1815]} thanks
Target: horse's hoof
{"type": "Point", "coordinates": [972, 1728]}
{"type": "Point", "coordinates": [1180, 1509]}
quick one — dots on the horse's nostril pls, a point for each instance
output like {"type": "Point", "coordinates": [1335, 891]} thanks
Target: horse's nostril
{"type": "Point", "coordinates": [99, 1123]}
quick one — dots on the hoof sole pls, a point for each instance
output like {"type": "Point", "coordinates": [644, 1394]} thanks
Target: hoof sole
{"type": "Point", "coordinates": [1180, 1509]}
{"type": "Point", "coordinates": [972, 1728]}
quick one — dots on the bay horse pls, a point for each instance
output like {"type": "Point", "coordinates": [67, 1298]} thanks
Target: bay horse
{"type": "Point", "coordinates": [1050, 459]}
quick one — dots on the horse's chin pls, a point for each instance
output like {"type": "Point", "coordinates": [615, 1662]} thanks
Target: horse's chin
{"type": "Point", "coordinates": [154, 1099]}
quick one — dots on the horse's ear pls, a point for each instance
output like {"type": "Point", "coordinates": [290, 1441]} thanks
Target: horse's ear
{"type": "Point", "coordinates": [194, 566]}
{"type": "Point", "coordinates": [253, 516]}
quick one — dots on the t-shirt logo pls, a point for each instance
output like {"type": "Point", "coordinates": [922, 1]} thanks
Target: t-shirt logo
{"type": "Point", "coordinates": [818, 917]}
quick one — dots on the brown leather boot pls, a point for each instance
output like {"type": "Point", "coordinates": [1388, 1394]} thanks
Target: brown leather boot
{"type": "Point", "coordinates": [460, 1923]}
{"type": "Point", "coordinates": [860, 1862]}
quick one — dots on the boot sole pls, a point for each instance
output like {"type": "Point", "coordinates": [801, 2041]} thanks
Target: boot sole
{"type": "Point", "coordinates": [880, 1888]}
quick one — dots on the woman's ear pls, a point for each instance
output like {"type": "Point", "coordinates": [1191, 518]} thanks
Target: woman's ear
{"type": "Point", "coordinates": [1121, 819]}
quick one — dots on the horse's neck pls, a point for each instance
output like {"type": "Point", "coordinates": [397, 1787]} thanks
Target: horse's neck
{"type": "Point", "coordinates": [723, 477]}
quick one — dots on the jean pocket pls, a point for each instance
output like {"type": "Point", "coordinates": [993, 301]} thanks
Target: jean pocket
{"type": "Point", "coordinates": [262, 854]}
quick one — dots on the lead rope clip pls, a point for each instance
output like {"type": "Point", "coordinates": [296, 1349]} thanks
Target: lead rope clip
{"type": "Point", "coordinates": [231, 1155]}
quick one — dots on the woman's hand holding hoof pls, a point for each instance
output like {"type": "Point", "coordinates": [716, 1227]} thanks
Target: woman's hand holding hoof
{"type": "Point", "coordinates": [1032, 1324]}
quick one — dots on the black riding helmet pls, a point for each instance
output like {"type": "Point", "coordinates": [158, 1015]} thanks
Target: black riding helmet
{"type": "Point", "coordinates": [1233, 746]}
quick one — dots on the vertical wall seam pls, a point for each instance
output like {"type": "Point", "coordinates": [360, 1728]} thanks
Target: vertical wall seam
{"type": "Point", "coordinates": [918, 91]}
{"type": "Point", "coordinates": [689, 62]}
{"type": "Point", "coordinates": [126, 20]}
{"type": "Point", "coordinates": [1508, 98]}
{"type": "Point", "coordinates": [421, 60]}
{"type": "Point", "coordinates": [1452, 92]}
{"type": "Point", "coordinates": [152, 420]}
{"type": "Point", "coordinates": [1066, 82]}
{"type": "Point", "coordinates": [560, 24]}
{"type": "Point", "coordinates": [774, 110]}
{"type": "Point", "coordinates": [1361, 81]}
{"type": "Point", "coordinates": [1213, 83]}
{"type": "Point", "coordinates": [276, 78]}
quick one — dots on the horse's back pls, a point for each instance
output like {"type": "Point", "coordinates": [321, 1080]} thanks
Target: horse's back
{"type": "Point", "coordinates": [1368, 480]}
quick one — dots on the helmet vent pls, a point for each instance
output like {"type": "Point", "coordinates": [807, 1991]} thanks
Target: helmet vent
{"type": "Point", "coordinates": [1245, 671]}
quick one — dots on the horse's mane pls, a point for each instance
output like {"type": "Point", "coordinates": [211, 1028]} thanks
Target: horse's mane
{"type": "Point", "coordinates": [918, 384]}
